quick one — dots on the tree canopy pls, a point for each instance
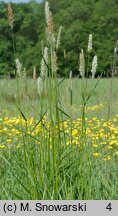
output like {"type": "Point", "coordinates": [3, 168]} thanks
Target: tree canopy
{"type": "Point", "coordinates": [78, 19]}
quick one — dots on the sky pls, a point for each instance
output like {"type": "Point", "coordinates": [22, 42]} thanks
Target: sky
{"type": "Point", "coordinates": [17, 1]}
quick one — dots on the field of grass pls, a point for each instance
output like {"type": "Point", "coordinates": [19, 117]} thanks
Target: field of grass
{"type": "Point", "coordinates": [70, 156]}
{"type": "Point", "coordinates": [105, 94]}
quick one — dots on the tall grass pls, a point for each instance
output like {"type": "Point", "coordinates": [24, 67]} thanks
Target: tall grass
{"type": "Point", "coordinates": [30, 169]}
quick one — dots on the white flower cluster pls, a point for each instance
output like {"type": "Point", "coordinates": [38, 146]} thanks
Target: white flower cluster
{"type": "Point", "coordinates": [82, 64]}
{"type": "Point", "coordinates": [40, 85]}
{"type": "Point", "coordinates": [94, 66]}
{"type": "Point", "coordinates": [47, 12]}
{"type": "Point", "coordinates": [54, 62]}
{"type": "Point", "coordinates": [18, 67]}
{"type": "Point", "coordinates": [44, 63]}
{"type": "Point", "coordinates": [90, 43]}
{"type": "Point", "coordinates": [43, 72]}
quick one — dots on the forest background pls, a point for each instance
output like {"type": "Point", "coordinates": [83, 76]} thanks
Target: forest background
{"type": "Point", "coordinates": [78, 19]}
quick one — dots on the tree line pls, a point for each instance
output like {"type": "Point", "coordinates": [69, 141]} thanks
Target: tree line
{"type": "Point", "coordinates": [77, 18]}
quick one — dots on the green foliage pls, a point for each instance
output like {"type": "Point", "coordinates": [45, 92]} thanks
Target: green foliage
{"type": "Point", "coordinates": [45, 161]}
{"type": "Point", "coordinates": [78, 18]}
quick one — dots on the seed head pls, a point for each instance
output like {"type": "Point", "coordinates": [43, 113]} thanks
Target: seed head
{"type": "Point", "coordinates": [10, 15]}
{"type": "Point", "coordinates": [94, 66]}
{"type": "Point", "coordinates": [54, 62]}
{"type": "Point", "coordinates": [90, 43]}
{"type": "Point", "coordinates": [82, 64]}
{"type": "Point", "coordinates": [49, 22]}
{"type": "Point", "coordinates": [44, 64]}
{"type": "Point", "coordinates": [18, 67]}
{"type": "Point", "coordinates": [47, 12]}
{"type": "Point", "coordinates": [59, 38]}
{"type": "Point", "coordinates": [40, 85]}
{"type": "Point", "coordinates": [52, 39]}
{"type": "Point", "coordinates": [46, 55]}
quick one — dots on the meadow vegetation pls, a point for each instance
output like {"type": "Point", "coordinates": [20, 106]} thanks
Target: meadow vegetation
{"type": "Point", "coordinates": [59, 136]}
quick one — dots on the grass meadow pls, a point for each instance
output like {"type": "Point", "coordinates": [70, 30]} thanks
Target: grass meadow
{"type": "Point", "coordinates": [58, 137]}
{"type": "Point", "coordinates": [41, 159]}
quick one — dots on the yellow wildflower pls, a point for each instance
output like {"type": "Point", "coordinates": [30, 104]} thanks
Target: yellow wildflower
{"type": "Point", "coordinates": [95, 145]}
{"type": "Point", "coordinates": [110, 147]}
{"type": "Point", "coordinates": [9, 140]}
{"type": "Point", "coordinates": [74, 132]}
{"type": "Point", "coordinates": [2, 146]}
{"type": "Point", "coordinates": [107, 158]}
{"type": "Point", "coordinates": [116, 153]}
{"type": "Point", "coordinates": [96, 154]}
